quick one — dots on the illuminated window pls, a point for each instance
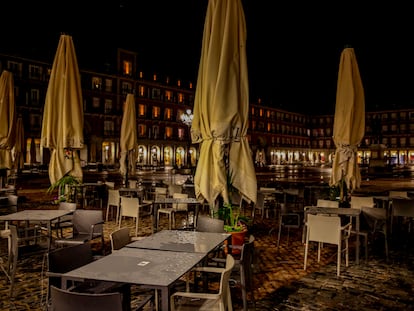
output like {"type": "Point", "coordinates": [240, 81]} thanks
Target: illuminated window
{"type": "Point", "coordinates": [141, 90]}
{"type": "Point", "coordinates": [168, 96]}
{"type": "Point", "coordinates": [181, 133]}
{"type": "Point", "coordinates": [179, 83]}
{"type": "Point", "coordinates": [96, 83]}
{"type": "Point", "coordinates": [260, 112]}
{"type": "Point", "coordinates": [141, 75]}
{"type": "Point", "coordinates": [141, 110]}
{"type": "Point", "coordinates": [142, 130]}
{"type": "Point", "coordinates": [168, 114]}
{"type": "Point", "coordinates": [127, 67]}
{"type": "Point", "coordinates": [191, 85]}
{"type": "Point", "coordinates": [154, 77]}
{"type": "Point", "coordinates": [180, 98]}
{"type": "Point", "coordinates": [156, 111]}
{"type": "Point", "coordinates": [168, 132]}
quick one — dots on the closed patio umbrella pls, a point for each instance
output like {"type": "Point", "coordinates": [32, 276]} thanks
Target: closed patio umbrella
{"type": "Point", "coordinates": [19, 145]}
{"type": "Point", "coordinates": [62, 126]}
{"type": "Point", "coordinates": [128, 139]}
{"type": "Point", "coordinates": [7, 119]}
{"type": "Point", "coordinates": [349, 123]}
{"type": "Point", "coordinates": [221, 106]}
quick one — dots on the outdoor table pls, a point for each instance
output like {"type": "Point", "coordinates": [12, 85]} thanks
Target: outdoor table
{"type": "Point", "coordinates": [182, 241]}
{"type": "Point", "coordinates": [168, 201]}
{"type": "Point", "coordinates": [42, 216]}
{"type": "Point", "coordinates": [341, 211]}
{"type": "Point", "coordinates": [147, 267]}
{"type": "Point", "coordinates": [134, 192]}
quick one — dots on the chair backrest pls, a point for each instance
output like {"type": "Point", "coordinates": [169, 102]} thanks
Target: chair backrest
{"type": "Point", "coordinates": [110, 184]}
{"type": "Point", "coordinates": [129, 206]}
{"type": "Point", "coordinates": [224, 290]}
{"type": "Point", "coordinates": [114, 197]}
{"type": "Point", "coordinates": [160, 192]}
{"type": "Point", "coordinates": [403, 207]}
{"type": "Point", "coordinates": [209, 224]}
{"type": "Point", "coordinates": [327, 203]}
{"type": "Point", "coordinates": [132, 183]}
{"type": "Point", "coordinates": [398, 194]}
{"type": "Point", "coordinates": [119, 238]}
{"type": "Point", "coordinates": [13, 253]}
{"type": "Point", "coordinates": [323, 228]}
{"type": "Point", "coordinates": [64, 300]}
{"type": "Point", "coordinates": [64, 259]}
{"type": "Point", "coordinates": [180, 206]}
{"type": "Point", "coordinates": [359, 202]}
{"type": "Point", "coordinates": [267, 189]}
{"type": "Point", "coordinates": [173, 188]}
{"type": "Point", "coordinates": [88, 221]}
{"type": "Point", "coordinates": [13, 201]}
{"type": "Point", "coordinates": [247, 260]}
{"type": "Point", "coordinates": [260, 201]}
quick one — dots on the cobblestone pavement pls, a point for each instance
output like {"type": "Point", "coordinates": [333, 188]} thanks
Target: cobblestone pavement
{"type": "Point", "coordinates": [280, 281]}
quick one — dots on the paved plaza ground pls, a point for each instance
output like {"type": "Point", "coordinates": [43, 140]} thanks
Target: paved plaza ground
{"type": "Point", "coordinates": [280, 281]}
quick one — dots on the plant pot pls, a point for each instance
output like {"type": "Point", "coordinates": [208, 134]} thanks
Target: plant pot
{"type": "Point", "coordinates": [237, 238]}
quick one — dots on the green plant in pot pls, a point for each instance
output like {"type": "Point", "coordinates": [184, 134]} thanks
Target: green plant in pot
{"type": "Point", "coordinates": [66, 190]}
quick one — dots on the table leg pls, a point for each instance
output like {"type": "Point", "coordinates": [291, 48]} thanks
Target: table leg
{"type": "Point", "coordinates": [165, 299]}
{"type": "Point", "coordinates": [357, 240]}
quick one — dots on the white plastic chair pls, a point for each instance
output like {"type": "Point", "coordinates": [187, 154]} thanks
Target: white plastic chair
{"type": "Point", "coordinates": [171, 211]}
{"type": "Point", "coordinates": [130, 207]}
{"type": "Point", "coordinates": [220, 300]}
{"type": "Point", "coordinates": [114, 202]}
{"type": "Point", "coordinates": [327, 229]}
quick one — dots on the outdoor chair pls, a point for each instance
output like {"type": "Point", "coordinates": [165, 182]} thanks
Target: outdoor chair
{"type": "Point", "coordinates": [64, 300]}
{"type": "Point", "coordinates": [9, 266]}
{"type": "Point", "coordinates": [242, 274]}
{"type": "Point", "coordinates": [259, 205]}
{"type": "Point", "coordinates": [289, 219]}
{"type": "Point", "coordinates": [63, 222]}
{"type": "Point", "coordinates": [87, 226]}
{"type": "Point", "coordinates": [119, 238]}
{"type": "Point", "coordinates": [403, 211]}
{"type": "Point", "coordinates": [175, 208]}
{"type": "Point", "coordinates": [327, 229]}
{"type": "Point", "coordinates": [130, 207]}
{"type": "Point", "coordinates": [113, 204]}
{"type": "Point", "coordinates": [376, 220]}
{"type": "Point", "coordinates": [220, 300]}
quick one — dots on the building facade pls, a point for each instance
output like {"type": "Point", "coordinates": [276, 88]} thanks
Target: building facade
{"type": "Point", "coordinates": [276, 136]}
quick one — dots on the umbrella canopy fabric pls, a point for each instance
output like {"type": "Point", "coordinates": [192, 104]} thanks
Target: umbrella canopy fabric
{"type": "Point", "coordinates": [349, 122]}
{"type": "Point", "coordinates": [19, 145]}
{"type": "Point", "coordinates": [62, 127]}
{"type": "Point", "coordinates": [7, 119]}
{"type": "Point", "coordinates": [221, 106]}
{"type": "Point", "coordinates": [128, 140]}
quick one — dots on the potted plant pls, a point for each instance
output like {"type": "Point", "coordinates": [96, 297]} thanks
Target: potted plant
{"type": "Point", "coordinates": [66, 189]}
{"type": "Point", "coordinates": [234, 223]}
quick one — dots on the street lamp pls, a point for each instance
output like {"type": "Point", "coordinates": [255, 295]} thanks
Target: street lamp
{"type": "Point", "coordinates": [187, 119]}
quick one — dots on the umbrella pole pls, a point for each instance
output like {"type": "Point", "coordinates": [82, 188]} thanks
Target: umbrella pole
{"type": "Point", "coordinates": [127, 169]}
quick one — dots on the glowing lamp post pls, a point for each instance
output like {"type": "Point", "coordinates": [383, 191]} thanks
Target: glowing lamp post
{"type": "Point", "coordinates": [187, 119]}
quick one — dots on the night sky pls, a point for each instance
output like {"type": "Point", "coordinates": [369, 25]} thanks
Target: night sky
{"type": "Point", "coordinates": [293, 48]}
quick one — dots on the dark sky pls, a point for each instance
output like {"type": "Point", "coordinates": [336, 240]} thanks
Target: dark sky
{"type": "Point", "coordinates": [293, 47]}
